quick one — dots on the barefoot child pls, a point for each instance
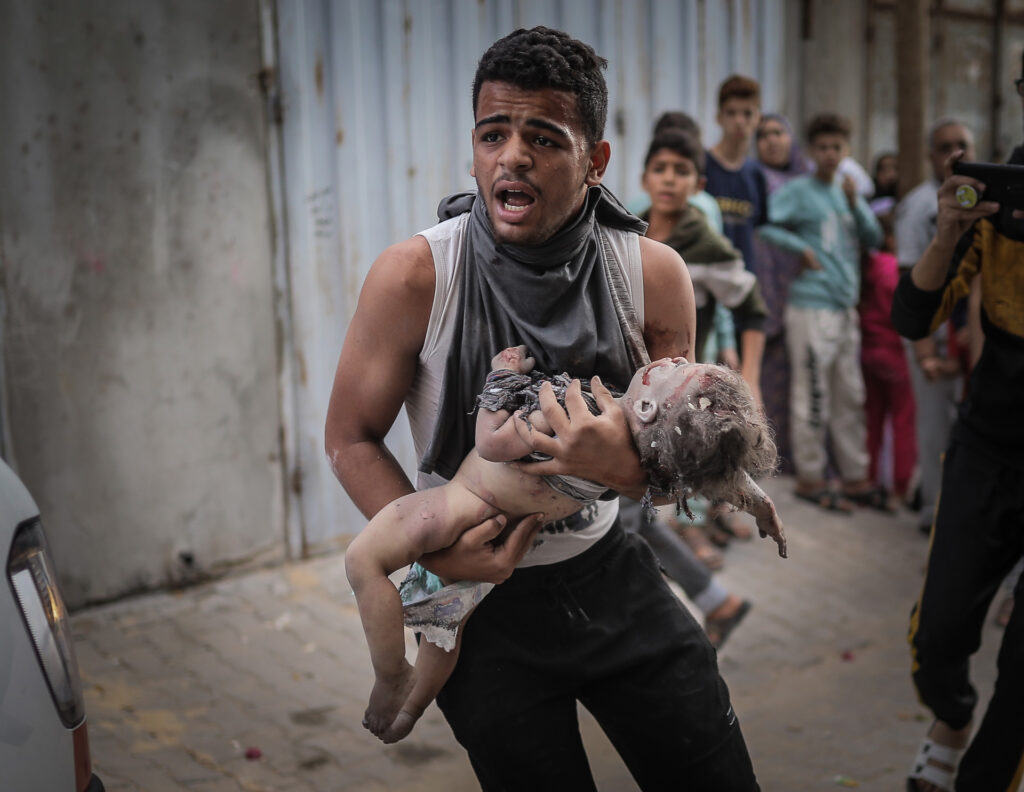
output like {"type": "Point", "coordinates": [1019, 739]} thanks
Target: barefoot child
{"type": "Point", "coordinates": [697, 430]}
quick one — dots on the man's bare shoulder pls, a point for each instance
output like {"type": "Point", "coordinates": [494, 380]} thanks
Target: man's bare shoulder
{"type": "Point", "coordinates": [661, 263]}
{"type": "Point", "coordinates": [406, 266]}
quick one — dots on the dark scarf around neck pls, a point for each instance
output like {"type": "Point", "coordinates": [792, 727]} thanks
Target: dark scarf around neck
{"type": "Point", "coordinates": [554, 298]}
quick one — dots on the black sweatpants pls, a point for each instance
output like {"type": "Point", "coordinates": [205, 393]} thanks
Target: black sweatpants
{"type": "Point", "coordinates": [977, 537]}
{"type": "Point", "coordinates": [602, 628]}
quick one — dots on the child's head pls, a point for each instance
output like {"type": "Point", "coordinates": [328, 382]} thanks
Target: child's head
{"type": "Point", "coordinates": [828, 138]}
{"type": "Point", "coordinates": [677, 120]}
{"type": "Point", "coordinates": [673, 171]}
{"type": "Point", "coordinates": [697, 426]}
{"type": "Point", "coordinates": [739, 108]}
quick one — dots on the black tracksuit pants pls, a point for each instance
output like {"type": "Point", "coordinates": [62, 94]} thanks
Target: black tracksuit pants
{"type": "Point", "coordinates": [977, 537]}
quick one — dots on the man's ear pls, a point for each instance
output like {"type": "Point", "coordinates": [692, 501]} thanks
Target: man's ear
{"type": "Point", "coordinates": [598, 163]}
{"type": "Point", "coordinates": [645, 409]}
{"type": "Point", "coordinates": [702, 182]}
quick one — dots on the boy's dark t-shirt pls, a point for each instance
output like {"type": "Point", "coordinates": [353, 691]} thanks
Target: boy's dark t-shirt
{"type": "Point", "coordinates": [742, 196]}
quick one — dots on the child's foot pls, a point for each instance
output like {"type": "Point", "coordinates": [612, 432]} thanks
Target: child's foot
{"type": "Point", "coordinates": [513, 359]}
{"type": "Point", "coordinates": [386, 700]}
{"type": "Point", "coordinates": [402, 725]}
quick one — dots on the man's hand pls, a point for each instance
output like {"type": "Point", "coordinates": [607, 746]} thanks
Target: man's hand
{"type": "Point", "coordinates": [953, 220]}
{"type": "Point", "coordinates": [595, 447]}
{"type": "Point", "coordinates": [936, 368]}
{"type": "Point", "coordinates": [808, 261]}
{"type": "Point", "coordinates": [483, 553]}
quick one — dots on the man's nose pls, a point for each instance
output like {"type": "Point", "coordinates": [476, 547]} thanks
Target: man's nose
{"type": "Point", "coordinates": [515, 154]}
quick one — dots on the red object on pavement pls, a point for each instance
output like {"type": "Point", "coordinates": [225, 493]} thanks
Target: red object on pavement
{"type": "Point", "coordinates": [253, 753]}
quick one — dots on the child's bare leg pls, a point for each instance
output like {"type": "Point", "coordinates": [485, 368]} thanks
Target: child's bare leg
{"type": "Point", "coordinates": [433, 667]}
{"type": "Point", "coordinates": [400, 533]}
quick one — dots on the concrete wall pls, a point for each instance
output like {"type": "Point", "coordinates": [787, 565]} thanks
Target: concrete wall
{"type": "Point", "coordinates": [135, 255]}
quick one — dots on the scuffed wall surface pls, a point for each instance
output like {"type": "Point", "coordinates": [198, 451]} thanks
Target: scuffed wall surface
{"type": "Point", "coordinates": [139, 338]}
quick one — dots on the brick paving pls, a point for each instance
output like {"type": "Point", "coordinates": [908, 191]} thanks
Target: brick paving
{"type": "Point", "coordinates": [180, 685]}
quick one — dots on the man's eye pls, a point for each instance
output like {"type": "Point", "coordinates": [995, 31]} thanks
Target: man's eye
{"type": "Point", "coordinates": [540, 140]}
{"type": "Point", "coordinates": [490, 137]}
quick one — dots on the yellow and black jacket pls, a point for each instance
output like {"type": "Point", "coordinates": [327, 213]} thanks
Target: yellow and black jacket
{"type": "Point", "coordinates": [992, 415]}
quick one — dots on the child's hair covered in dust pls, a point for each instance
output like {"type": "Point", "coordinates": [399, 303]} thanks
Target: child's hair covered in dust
{"type": "Point", "coordinates": [707, 441]}
{"type": "Point", "coordinates": [697, 429]}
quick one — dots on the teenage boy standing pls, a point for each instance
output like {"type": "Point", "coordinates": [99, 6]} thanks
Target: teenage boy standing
{"type": "Point", "coordinates": [737, 183]}
{"type": "Point", "coordinates": [825, 223]}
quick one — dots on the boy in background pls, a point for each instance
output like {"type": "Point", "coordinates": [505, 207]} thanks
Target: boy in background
{"type": "Point", "coordinates": [826, 222]}
{"type": "Point", "coordinates": [737, 183]}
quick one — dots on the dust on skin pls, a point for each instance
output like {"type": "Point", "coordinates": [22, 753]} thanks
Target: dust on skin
{"type": "Point", "coordinates": [663, 340]}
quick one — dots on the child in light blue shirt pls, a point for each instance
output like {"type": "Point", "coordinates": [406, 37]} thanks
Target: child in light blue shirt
{"type": "Point", "coordinates": [827, 223]}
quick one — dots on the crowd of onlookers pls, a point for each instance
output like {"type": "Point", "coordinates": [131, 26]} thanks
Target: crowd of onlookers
{"type": "Point", "coordinates": [795, 253]}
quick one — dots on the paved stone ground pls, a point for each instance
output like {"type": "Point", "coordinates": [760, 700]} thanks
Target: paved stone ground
{"type": "Point", "coordinates": [179, 685]}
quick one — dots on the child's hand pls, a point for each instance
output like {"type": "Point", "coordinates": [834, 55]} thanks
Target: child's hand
{"type": "Point", "coordinates": [808, 261]}
{"type": "Point", "coordinates": [850, 190]}
{"type": "Point", "coordinates": [513, 359]}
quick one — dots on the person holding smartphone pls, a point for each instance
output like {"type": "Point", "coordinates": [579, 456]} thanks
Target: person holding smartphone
{"type": "Point", "coordinates": [978, 531]}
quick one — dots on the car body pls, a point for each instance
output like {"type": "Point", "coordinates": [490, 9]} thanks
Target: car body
{"type": "Point", "coordinates": [44, 743]}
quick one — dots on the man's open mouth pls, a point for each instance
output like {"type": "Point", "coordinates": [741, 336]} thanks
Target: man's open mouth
{"type": "Point", "coordinates": [515, 200]}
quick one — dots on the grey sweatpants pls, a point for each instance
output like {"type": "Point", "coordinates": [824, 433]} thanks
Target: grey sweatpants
{"type": "Point", "coordinates": [826, 392]}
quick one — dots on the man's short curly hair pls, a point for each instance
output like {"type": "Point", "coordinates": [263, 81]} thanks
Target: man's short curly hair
{"type": "Point", "coordinates": [545, 58]}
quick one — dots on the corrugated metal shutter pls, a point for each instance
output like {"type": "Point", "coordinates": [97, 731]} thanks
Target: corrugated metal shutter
{"type": "Point", "coordinates": [377, 119]}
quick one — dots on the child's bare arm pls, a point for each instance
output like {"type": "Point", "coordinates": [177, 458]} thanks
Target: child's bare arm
{"type": "Point", "coordinates": [756, 502]}
{"type": "Point", "coordinates": [499, 436]}
{"type": "Point", "coordinates": [502, 436]}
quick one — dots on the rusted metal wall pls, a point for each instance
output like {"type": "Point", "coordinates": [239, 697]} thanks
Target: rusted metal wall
{"type": "Point", "coordinates": [376, 129]}
{"type": "Point", "coordinates": [973, 59]}
{"type": "Point", "coordinates": [135, 261]}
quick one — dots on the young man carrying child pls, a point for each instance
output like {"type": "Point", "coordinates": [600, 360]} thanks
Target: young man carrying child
{"type": "Point", "coordinates": [826, 222]}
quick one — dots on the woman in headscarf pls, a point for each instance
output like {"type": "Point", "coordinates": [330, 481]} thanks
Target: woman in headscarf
{"type": "Point", "coordinates": [781, 160]}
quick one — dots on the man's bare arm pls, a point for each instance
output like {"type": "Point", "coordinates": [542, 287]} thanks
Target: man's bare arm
{"type": "Point", "coordinates": [375, 372]}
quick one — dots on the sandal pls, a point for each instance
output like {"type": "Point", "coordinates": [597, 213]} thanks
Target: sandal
{"type": "Point", "coordinates": [732, 525]}
{"type": "Point", "coordinates": [701, 547]}
{"type": "Point", "coordinates": [875, 498]}
{"type": "Point", "coordinates": [718, 630]}
{"type": "Point", "coordinates": [826, 499]}
{"type": "Point", "coordinates": [932, 764]}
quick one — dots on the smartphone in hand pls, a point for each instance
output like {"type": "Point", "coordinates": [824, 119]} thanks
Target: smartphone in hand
{"type": "Point", "coordinates": [1004, 184]}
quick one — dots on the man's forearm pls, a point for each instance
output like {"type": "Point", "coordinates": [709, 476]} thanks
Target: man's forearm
{"type": "Point", "coordinates": [370, 475]}
{"type": "Point", "coordinates": [929, 273]}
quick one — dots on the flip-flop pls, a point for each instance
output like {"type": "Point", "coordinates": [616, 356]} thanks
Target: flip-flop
{"type": "Point", "coordinates": [733, 526]}
{"type": "Point", "coordinates": [702, 547]}
{"type": "Point", "coordinates": [875, 498]}
{"type": "Point", "coordinates": [826, 499]}
{"type": "Point", "coordinates": [718, 630]}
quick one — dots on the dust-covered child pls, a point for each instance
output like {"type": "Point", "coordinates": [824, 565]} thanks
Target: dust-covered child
{"type": "Point", "coordinates": [697, 430]}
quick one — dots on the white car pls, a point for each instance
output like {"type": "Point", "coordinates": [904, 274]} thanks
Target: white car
{"type": "Point", "coordinates": [44, 744]}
